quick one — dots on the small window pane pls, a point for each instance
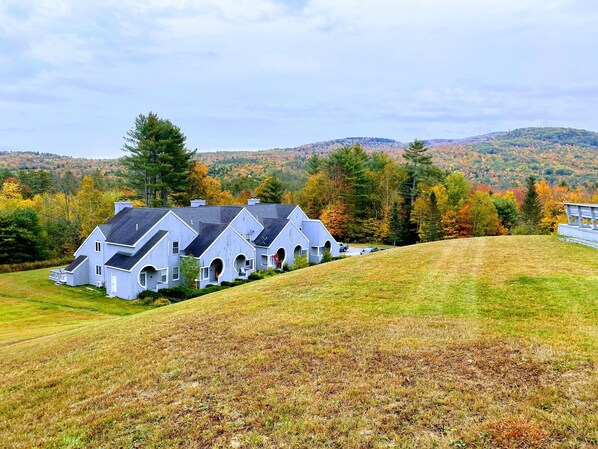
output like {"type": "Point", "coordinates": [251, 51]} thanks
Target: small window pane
{"type": "Point", "coordinates": [175, 247]}
{"type": "Point", "coordinates": [175, 273]}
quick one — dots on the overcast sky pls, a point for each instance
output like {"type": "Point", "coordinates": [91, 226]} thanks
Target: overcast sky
{"type": "Point", "coordinates": [256, 74]}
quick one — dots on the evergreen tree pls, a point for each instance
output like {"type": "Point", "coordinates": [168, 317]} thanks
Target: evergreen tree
{"type": "Point", "coordinates": [270, 191]}
{"type": "Point", "coordinates": [433, 227]}
{"type": "Point", "coordinates": [21, 237]}
{"type": "Point", "coordinates": [531, 209]}
{"type": "Point", "coordinates": [158, 162]}
{"type": "Point", "coordinates": [314, 164]}
{"type": "Point", "coordinates": [417, 160]}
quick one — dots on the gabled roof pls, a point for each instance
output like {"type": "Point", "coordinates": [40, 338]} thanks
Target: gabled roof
{"type": "Point", "coordinates": [272, 228]}
{"type": "Point", "coordinates": [130, 224]}
{"type": "Point", "coordinates": [75, 264]}
{"type": "Point", "coordinates": [208, 233]}
{"type": "Point", "coordinates": [207, 214]}
{"type": "Point", "coordinates": [127, 261]}
{"type": "Point", "coordinates": [265, 210]}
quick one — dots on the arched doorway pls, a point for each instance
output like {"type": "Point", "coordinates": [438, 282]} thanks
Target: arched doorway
{"type": "Point", "coordinates": [241, 265]}
{"type": "Point", "coordinates": [216, 268]}
{"type": "Point", "coordinates": [298, 251]}
{"type": "Point", "coordinates": [327, 245]}
{"type": "Point", "coordinates": [279, 258]}
{"type": "Point", "coordinates": [148, 278]}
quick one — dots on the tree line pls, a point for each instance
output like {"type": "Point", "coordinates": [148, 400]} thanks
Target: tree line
{"type": "Point", "coordinates": [360, 196]}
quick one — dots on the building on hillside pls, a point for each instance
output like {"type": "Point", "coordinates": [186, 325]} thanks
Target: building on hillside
{"type": "Point", "coordinates": [582, 224]}
{"type": "Point", "coordinates": [141, 248]}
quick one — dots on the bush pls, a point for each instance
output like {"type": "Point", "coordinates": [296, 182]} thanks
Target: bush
{"type": "Point", "coordinates": [210, 289]}
{"type": "Point", "coordinates": [226, 284]}
{"type": "Point", "coordinates": [176, 294]}
{"type": "Point", "coordinates": [159, 302]}
{"type": "Point", "coordinates": [301, 262]}
{"type": "Point", "coordinates": [327, 256]}
{"type": "Point", "coordinates": [286, 267]}
{"type": "Point", "coordinates": [26, 266]}
{"type": "Point", "coordinates": [256, 276]}
{"type": "Point", "coordinates": [148, 294]}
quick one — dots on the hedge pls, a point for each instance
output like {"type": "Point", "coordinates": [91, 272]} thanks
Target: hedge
{"type": "Point", "coordinates": [26, 266]}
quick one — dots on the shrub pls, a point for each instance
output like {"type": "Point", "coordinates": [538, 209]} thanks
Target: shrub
{"type": "Point", "coordinates": [327, 256]}
{"type": "Point", "coordinates": [211, 289]}
{"type": "Point", "coordinates": [148, 294]}
{"type": "Point", "coordinates": [26, 266]}
{"type": "Point", "coordinates": [286, 267]}
{"type": "Point", "coordinates": [256, 276]}
{"type": "Point", "coordinates": [301, 262]}
{"type": "Point", "coordinates": [226, 284]}
{"type": "Point", "coordinates": [176, 294]}
{"type": "Point", "coordinates": [159, 302]}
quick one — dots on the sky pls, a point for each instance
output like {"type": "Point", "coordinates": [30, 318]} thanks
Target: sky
{"type": "Point", "coordinates": [258, 74]}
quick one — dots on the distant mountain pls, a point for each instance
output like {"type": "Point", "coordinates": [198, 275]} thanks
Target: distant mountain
{"type": "Point", "coordinates": [500, 159]}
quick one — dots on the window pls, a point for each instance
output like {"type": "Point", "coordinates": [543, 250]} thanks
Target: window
{"type": "Point", "coordinates": [247, 237]}
{"type": "Point", "coordinates": [98, 270]}
{"type": "Point", "coordinates": [143, 278]}
{"type": "Point", "coordinates": [175, 273]}
{"type": "Point", "coordinates": [164, 276]}
{"type": "Point", "coordinates": [98, 247]}
{"type": "Point", "coordinates": [264, 259]}
{"type": "Point", "coordinates": [205, 273]}
{"type": "Point", "coordinates": [175, 247]}
{"type": "Point", "coordinates": [249, 264]}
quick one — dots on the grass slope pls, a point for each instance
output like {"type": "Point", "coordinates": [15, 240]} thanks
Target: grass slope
{"type": "Point", "coordinates": [32, 306]}
{"type": "Point", "coordinates": [488, 342]}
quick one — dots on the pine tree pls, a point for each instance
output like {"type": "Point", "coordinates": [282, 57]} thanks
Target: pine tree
{"type": "Point", "coordinates": [157, 162]}
{"type": "Point", "coordinates": [270, 191]}
{"type": "Point", "coordinates": [417, 160]}
{"type": "Point", "coordinates": [531, 209]}
{"type": "Point", "coordinates": [433, 228]}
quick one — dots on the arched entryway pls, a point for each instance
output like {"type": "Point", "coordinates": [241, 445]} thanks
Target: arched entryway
{"type": "Point", "coordinates": [216, 268]}
{"type": "Point", "coordinates": [241, 265]}
{"type": "Point", "coordinates": [298, 251]}
{"type": "Point", "coordinates": [279, 257]}
{"type": "Point", "coordinates": [327, 245]}
{"type": "Point", "coordinates": [148, 278]}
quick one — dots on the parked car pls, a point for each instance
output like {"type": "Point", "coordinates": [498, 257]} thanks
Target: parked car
{"type": "Point", "coordinates": [369, 249]}
{"type": "Point", "coordinates": [343, 247]}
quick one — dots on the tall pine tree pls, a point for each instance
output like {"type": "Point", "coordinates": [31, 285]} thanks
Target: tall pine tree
{"type": "Point", "coordinates": [157, 162]}
{"type": "Point", "coordinates": [531, 209]}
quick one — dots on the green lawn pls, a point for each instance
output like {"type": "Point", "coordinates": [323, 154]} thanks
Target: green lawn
{"type": "Point", "coordinates": [33, 306]}
{"type": "Point", "coordinates": [477, 343]}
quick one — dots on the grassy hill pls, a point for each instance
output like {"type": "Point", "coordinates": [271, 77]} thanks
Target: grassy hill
{"type": "Point", "coordinates": [489, 342]}
{"type": "Point", "coordinates": [32, 306]}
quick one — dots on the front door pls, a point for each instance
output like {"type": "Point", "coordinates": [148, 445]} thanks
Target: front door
{"type": "Point", "coordinates": [113, 285]}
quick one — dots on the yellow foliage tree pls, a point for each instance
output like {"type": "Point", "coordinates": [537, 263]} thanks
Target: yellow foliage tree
{"type": "Point", "coordinates": [336, 219]}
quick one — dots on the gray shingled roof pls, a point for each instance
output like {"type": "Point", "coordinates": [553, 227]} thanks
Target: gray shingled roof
{"type": "Point", "coordinates": [75, 264]}
{"type": "Point", "coordinates": [126, 261]}
{"type": "Point", "coordinates": [208, 232]}
{"type": "Point", "coordinates": [272, 227]}
{"type": "Point", "coordinates": [265, 210]}
{"type": "Point", "coordinates": [130, 224]}
{"type": "Point", "coordinates": [207, 214]}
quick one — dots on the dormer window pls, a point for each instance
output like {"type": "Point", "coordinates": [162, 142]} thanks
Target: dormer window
{"type": "Point", "coordinates": [98, 247]}
{"type": "Point", "coordinates": [175, 247]}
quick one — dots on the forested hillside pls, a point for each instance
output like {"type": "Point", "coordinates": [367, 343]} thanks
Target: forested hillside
{"type": "Point", "coordinates": [503, 160]}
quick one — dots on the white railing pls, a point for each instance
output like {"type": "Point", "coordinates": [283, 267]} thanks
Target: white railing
{"type": "Point", "coordinates": [582, 215]}
{"type": "Point", "coordinates": [58, 276]}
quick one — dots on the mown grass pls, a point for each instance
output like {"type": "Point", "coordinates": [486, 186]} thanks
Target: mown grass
{"type": "Point", "coordinates": [32, 306]}
{"type": "Point", "coordinates": [477, 343]}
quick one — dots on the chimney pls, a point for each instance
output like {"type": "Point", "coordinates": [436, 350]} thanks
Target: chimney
{"type": "Point", "coordinates": [198, 203]}
{"type": "Point", "coordinates": [120, 205]}
{"type": "Point", "coordinates": [253, 201]}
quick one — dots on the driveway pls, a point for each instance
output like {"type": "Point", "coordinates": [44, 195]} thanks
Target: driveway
{"type": "Point", "coordinates": [352, 251]}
